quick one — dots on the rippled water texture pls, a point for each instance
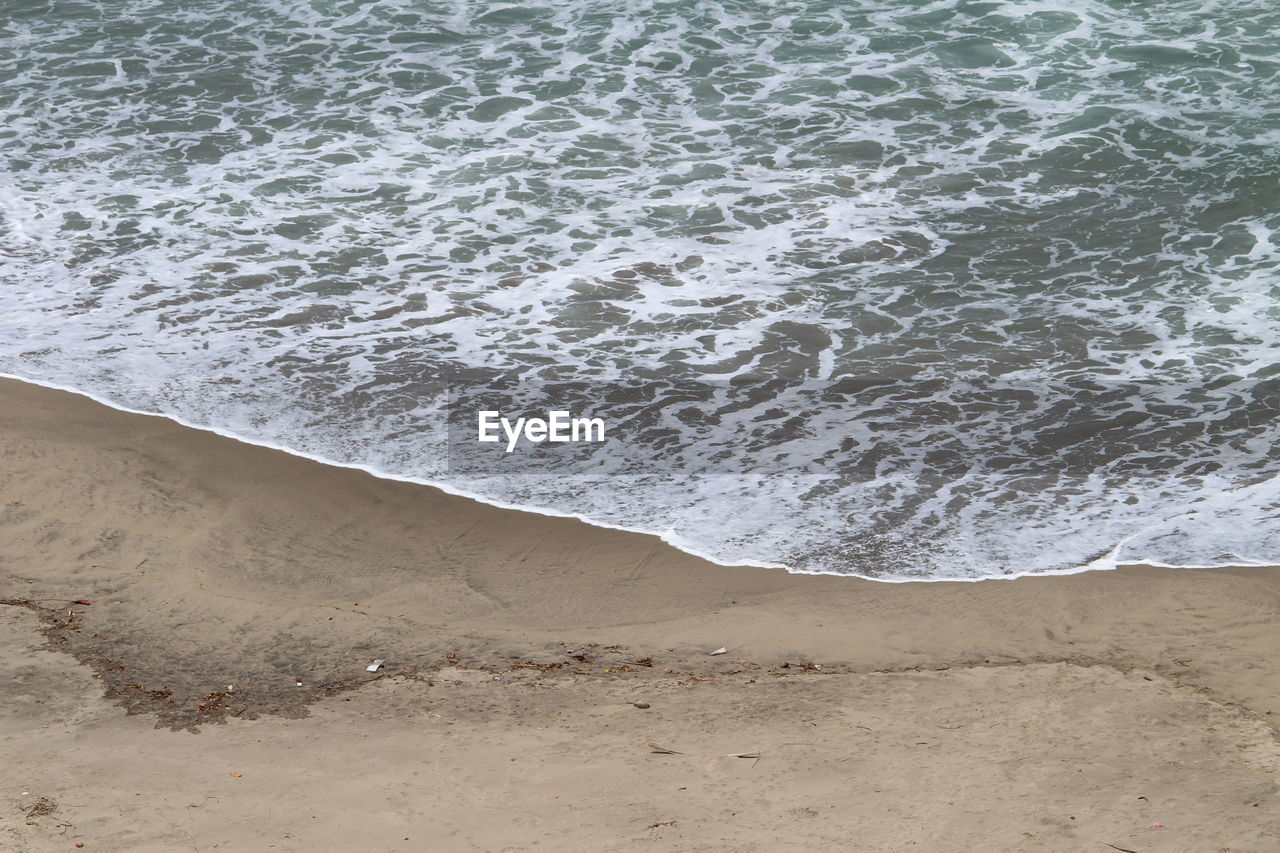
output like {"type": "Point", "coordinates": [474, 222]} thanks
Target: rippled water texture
{"type": "Point", "coordinates": [1044, 226]}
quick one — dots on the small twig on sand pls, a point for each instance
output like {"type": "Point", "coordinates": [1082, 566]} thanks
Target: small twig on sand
{"type": "Point", "coordinates": [1121, 849]}
{"type": "Point", "coordinates": [662, 750]}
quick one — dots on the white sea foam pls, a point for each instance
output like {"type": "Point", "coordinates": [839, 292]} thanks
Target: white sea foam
{"type": "Point", "coordinates": [289, 221]}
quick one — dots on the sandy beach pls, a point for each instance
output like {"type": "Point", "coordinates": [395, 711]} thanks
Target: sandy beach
{"type": "Point", "coordinates": [190, 622]}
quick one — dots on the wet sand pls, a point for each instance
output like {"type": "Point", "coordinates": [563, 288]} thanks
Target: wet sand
{"type": "Point", "coordinates": [237, 595]}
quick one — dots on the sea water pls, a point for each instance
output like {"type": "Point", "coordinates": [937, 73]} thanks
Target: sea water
{"type": "Point", "coordinates": [907, 290]}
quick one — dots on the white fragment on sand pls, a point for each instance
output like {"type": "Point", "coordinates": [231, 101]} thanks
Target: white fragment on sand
{"type": "Point", "coordinates": [720, 651]}
{"type": "Point", "coordinates": [375, 666]}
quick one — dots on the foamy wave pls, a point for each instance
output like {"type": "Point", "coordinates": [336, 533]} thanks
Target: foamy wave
{"type": "Point", "coordinates": [289, 220]}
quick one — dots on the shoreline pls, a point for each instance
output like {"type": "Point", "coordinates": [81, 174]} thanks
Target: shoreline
{"type": "Point", "coordinates": [240, 593]}
{"type": "Point", "coordinates": [394, 478]}
{"type": "Point", "coordinates": [1106, 562]}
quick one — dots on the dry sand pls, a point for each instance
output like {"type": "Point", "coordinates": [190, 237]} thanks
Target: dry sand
{"type": "Point", "coordinates": [1124, 710]}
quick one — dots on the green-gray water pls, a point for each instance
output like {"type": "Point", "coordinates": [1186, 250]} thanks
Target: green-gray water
{"type": "Point", "coordinates": [1049, 227]}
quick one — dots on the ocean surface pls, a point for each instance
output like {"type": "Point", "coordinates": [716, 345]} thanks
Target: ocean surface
{"type": "Point", "coordinates": [908, 290]}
